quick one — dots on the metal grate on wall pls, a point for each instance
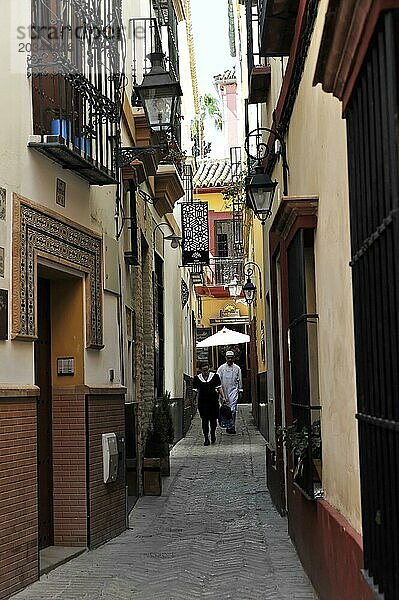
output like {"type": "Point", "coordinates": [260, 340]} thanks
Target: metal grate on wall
{"type": "Point", "coordinates": [374, 211]}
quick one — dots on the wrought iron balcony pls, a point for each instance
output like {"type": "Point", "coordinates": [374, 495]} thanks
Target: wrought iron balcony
{"type": "Point", "coordinates": [222, 270]}
{"type": "Point", "coordinates": [76, 83]}
{"type": "Point", "coordinates": [259, 70]}
{"type": "Point", "coordinates": [276, 26]}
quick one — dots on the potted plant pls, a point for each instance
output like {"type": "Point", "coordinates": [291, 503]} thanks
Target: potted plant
{"type": "Point", "coordinates": [84, 141]}
{"type": "Point", "coordinates": [160, 435]}
{"type": "Point", "coordinates": [174, 155]}
{"type": "Point", "coordinates": [298, 440]}
{"type": "Point", "coordinates": [164, 405]}
{"type": "Point", "coordinates": [60, 123]}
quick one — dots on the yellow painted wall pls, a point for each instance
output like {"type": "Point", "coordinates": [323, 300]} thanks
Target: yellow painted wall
{"type": "Point", "coordinates": [211, 308]}
{"type": "Point", "coordinates": [215, 201]}
{"type": "Point", "coordinates": [67, 334]}
{"type": "Point", "coordinates": [255, 254]}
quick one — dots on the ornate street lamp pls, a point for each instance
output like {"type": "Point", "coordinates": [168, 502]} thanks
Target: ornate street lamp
{"type": "Point", "coordinates": [159, 94]}
{"type": "Point", "coordinates": [259, 187]}
{"type": "Point", "coordinates": [260, 190]}
{"type": "Point", "coordinates": [249, 288]}
{"type": "Point", "coordinates": [172, 238]}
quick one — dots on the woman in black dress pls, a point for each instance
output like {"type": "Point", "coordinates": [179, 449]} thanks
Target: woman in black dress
{"type": "Point", "coordinates": [207, 387]}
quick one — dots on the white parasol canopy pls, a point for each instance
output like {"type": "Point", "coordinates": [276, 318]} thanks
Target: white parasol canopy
{"type": "Point", "coordinates": [224, 337]}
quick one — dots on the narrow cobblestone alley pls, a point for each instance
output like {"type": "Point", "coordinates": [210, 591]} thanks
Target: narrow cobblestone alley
{"type": "Point", "coordinates": [213, 534]}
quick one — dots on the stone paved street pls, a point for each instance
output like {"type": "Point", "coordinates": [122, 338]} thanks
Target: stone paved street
{"type": "Point", "coordinates": [213, 534]}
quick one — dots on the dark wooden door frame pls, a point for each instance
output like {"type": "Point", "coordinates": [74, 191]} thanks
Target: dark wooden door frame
{"type": "Point", "coordinates": [44, 418]}
{"type": "Point", "coordinates": [293, 214]}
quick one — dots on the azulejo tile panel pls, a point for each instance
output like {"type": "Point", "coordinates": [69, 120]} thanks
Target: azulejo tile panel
{"type": "Point", "coordinates": [36, 232]}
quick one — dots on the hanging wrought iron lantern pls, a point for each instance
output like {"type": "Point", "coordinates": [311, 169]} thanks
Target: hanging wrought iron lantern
{"type": "Point", "coordinates": [159, 94]}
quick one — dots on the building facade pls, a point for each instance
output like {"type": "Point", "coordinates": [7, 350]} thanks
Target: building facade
{"type": "Point", "coordinates": [216, 308]}
{"type": "Point", "coordinates": [89, 335]}
{"type": "Point", "coordinates": [322, 277]}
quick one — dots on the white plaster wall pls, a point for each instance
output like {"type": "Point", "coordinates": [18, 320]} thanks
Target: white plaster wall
{"type": "Point", "coordinates": [174, 364]}
{"type": "Point", "coordinates": [316, 150]}
{"type": "Point", "coordinates": [25, 172]}
{"type": "Point", "coordinates": [188, 341]}
{"type": "Point", "coordinates": [99, 363]}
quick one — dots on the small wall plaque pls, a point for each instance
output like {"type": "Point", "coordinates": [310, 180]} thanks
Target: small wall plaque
{"type": "Point", "coordinates": [3, 314]}
{"type": "Point", "coordinates": [3, 198]}
{"type": "Point", "coordinates": [1, 262]}
{"type": "Point", "coordinates": [60, 192]}
{"type": "Point", "coordinates": [66, 366]}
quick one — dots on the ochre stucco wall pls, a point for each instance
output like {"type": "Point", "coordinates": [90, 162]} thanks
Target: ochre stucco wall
{"type": "Point", "coordinates": [211, 308]}
{"type": "Point", "coordinates": [316, 152]}
{"type": "Point", "coordinates": [67, 328]}
{"type": "Point", "coordinates": [255, 254]}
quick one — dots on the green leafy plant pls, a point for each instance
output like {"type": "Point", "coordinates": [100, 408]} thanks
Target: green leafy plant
{"type": "Point", "coordinates": [297, 441]}
{"type": "Point", "coordinates": [175, 154]}
{"type": "Point", "coordinates": [165, 407]}
{"type": "Point", "coordinates": [235, 191]}
{"type": "Point", "coordinates": [161, 431]}
{"type": "Point", "coordinates": [212, 108]}
{"type": "Point", "coordinates": [208, 107]}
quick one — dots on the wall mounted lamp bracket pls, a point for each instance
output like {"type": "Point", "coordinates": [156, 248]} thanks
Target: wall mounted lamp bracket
{"type": "Point", "coordinates": [249, 288]}
{"type": "Point", "coordinates": [262, 147]}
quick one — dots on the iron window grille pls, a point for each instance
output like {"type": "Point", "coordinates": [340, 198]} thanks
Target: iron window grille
{"type": "Point", "coordinates": [188, 183]}
{"type": "Point", "coordinates": [159, 326]}
{"type": "Point", "coordinates": [131, 253]}
{"type": "Point", "coordinates": [222, 270]}
{"type": "Point", "coordinates": [373, 198]}
{"type": "Point", "coordinates": [238, 199]}
{"type": "Point", "coordinates": [257, 64]}
{"type": "Point", "coordinates": [76, 71]}
{"type": "Point", "coordinates": [302, 343]}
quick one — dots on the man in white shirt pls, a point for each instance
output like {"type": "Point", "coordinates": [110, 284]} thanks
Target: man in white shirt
{"type": "Point", "coordinates": [231, 378]}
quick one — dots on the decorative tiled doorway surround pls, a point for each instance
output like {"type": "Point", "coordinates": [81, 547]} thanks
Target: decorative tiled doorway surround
{"type": "Point", "coordinates": [40, 233]}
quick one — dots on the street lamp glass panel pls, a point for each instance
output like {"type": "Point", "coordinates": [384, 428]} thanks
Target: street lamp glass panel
{"type": "Point", "coordinates": [159, 109]}
{"type": "Point", "coordinates": [261, 193]}
{"type": "Point", "coordinates": [158, 94]}
{"type": "Point", "coordinates": [249, 290]}
{"type": "Point", "coordinates": [173, 239]}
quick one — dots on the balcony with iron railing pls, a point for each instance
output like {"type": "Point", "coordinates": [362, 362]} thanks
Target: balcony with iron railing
{"type": "Point", "coordinates": [259, 70]}
{"type": "Point", "coordinates": [222, 269]}
{"type": "Point", "coordinates": [76, 82]}
{"type": "Point", "coordinates": [276, 25]}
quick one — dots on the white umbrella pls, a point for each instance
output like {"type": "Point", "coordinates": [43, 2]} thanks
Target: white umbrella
{"type": "Point", "coordinates": [224, 337]}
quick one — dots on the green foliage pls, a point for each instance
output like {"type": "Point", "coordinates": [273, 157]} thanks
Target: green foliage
{"type": "Point", "coordinates": [175, 154]}
{"type": "Point", "coordinates": [235, 191]}
{"type": "Point", "coordinates": [212, 108]}
{"type": "Point", "coordinates": [165, 406]}
{"type": "Point", "coordinates": [297, 440]}
{"type": "Point", "coordinates": [208, 106]}
{"type": "Point", "coordinates": [161, 431]}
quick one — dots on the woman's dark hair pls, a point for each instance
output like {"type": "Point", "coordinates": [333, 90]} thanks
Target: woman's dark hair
{"type": "Point", "coordinates": [204, 364]}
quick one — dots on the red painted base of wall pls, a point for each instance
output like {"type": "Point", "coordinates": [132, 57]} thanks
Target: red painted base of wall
{"type": "Point", "coordinates": [19, 558]}
{"type": "Point", "coordinates": [329, 548]}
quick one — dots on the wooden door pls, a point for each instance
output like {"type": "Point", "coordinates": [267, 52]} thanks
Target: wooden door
{"type": "Point", "coordinates": [44, 426]}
